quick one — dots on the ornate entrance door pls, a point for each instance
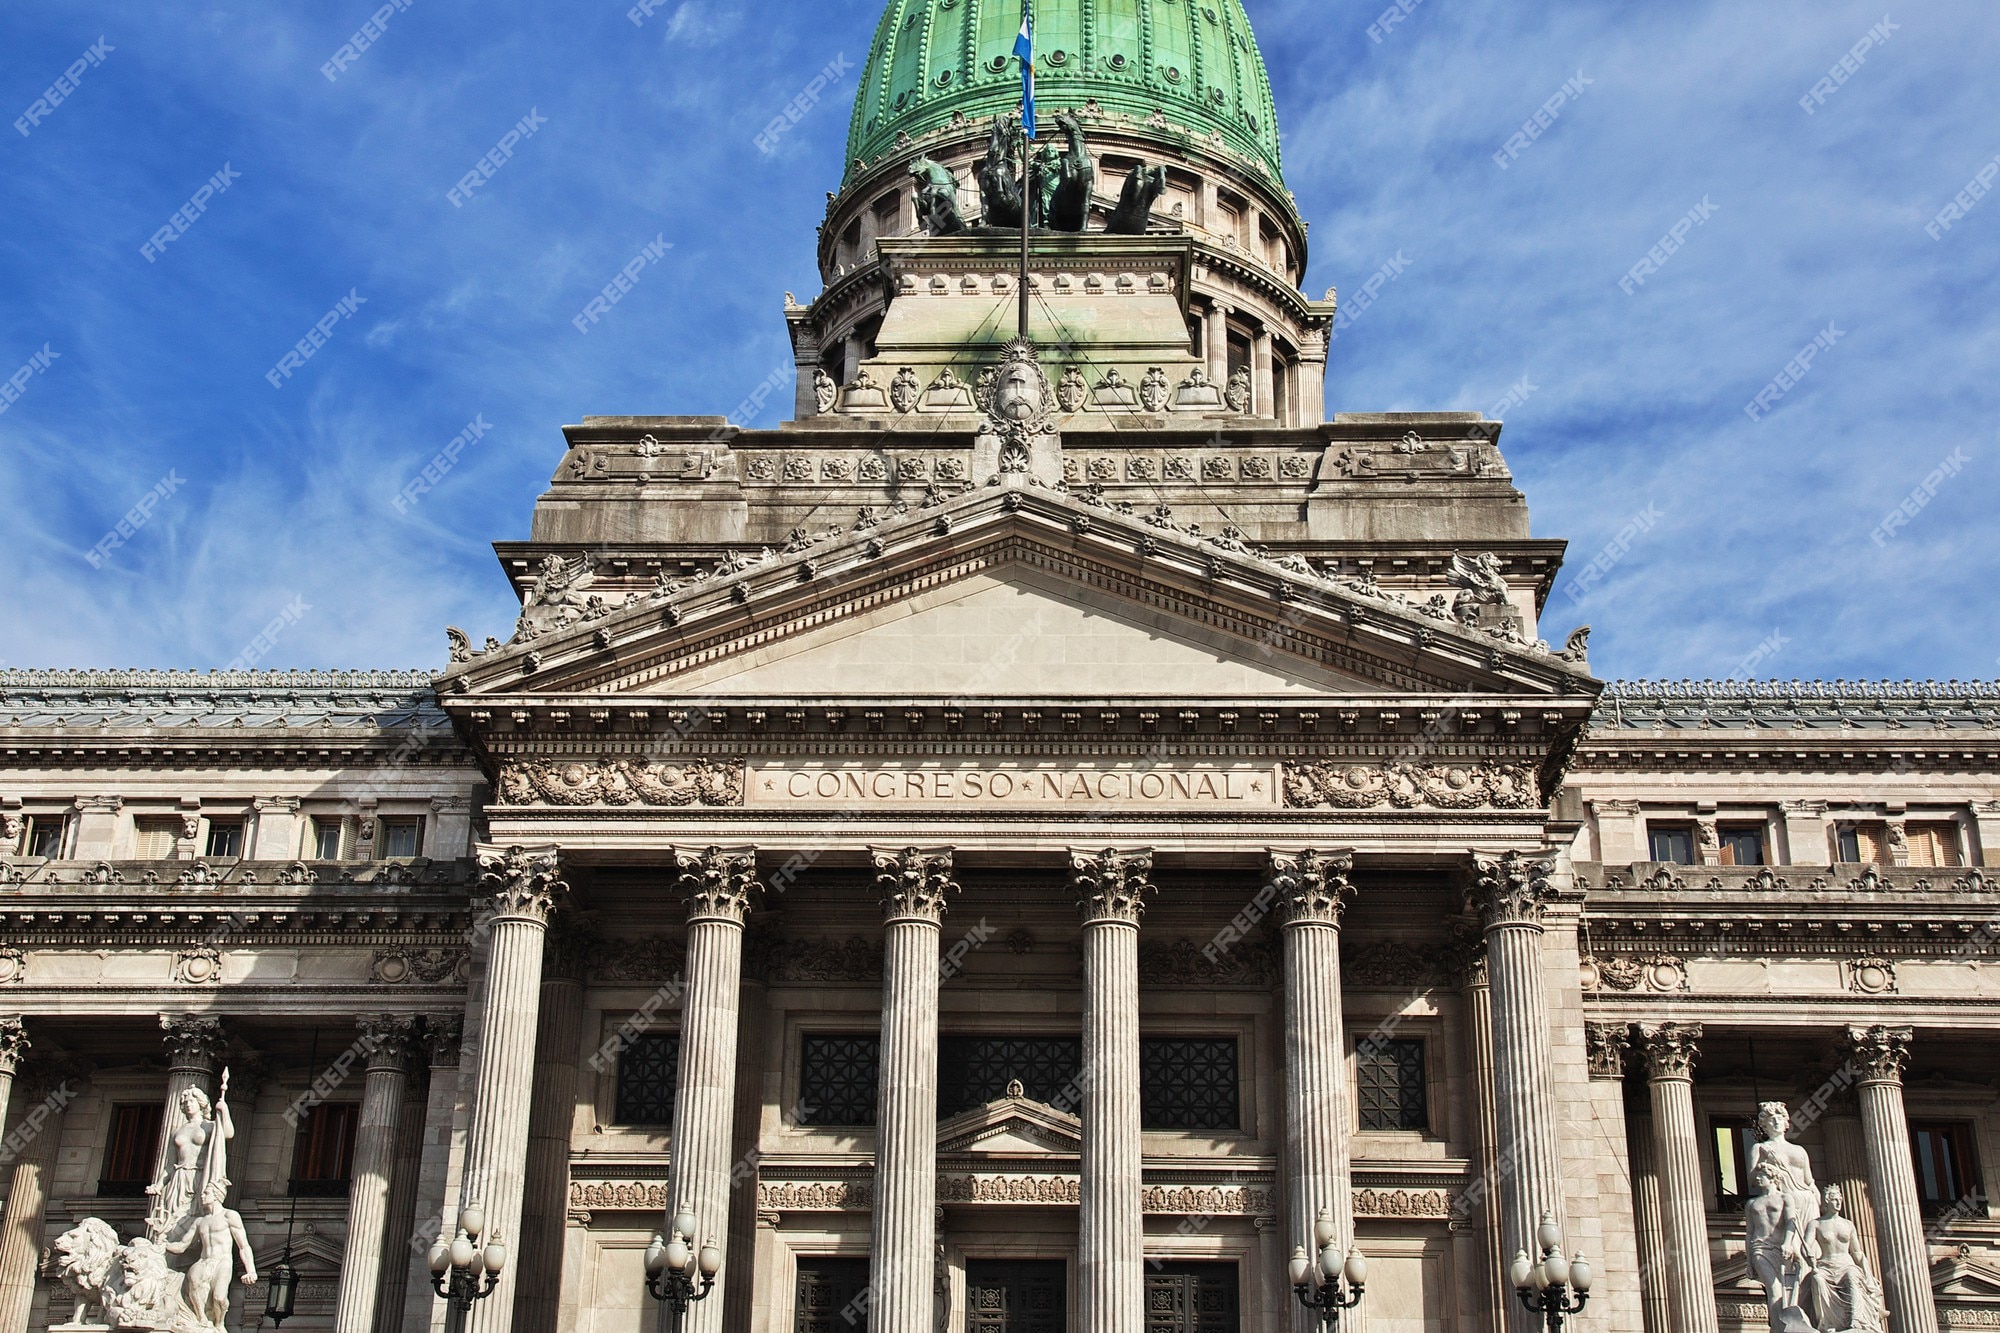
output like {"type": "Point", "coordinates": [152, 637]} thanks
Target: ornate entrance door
{"type": "Point", "coordinates": [1191, 1298]}
{"type": "Point", "coordinates": [830, 1296]}
{"type": "Point", "coordinates": [1016, 1297]}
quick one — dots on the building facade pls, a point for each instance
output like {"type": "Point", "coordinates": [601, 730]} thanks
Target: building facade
{"type": "Point", "coordinates": [1016, 845]}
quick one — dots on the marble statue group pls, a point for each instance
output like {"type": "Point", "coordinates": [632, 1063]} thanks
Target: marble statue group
{"type": "Point", "coordinates": [1801, 1249]}
{"type": "Point", "coordinates": [176, 1277]}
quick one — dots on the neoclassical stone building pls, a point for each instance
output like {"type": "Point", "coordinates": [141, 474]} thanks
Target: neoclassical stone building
{"type": "Point", "coordinates": [1010, 847]}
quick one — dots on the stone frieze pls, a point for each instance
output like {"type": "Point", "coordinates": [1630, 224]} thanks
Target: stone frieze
{"type": "Point", "coordinates": [1313, 786]}
{"type": "Point", "coordinates": [622, 782]}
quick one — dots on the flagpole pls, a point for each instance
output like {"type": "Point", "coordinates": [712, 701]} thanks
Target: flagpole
{"type": "Point", "coordinates": [1027, 220]}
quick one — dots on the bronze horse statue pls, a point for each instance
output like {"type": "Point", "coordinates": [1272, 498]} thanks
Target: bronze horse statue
{"type": "Point", "coordinates": [1143, 189]}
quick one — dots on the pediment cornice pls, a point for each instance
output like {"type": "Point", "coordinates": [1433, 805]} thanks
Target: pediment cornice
{"type": "Point", "coordinates": [1218, 583]}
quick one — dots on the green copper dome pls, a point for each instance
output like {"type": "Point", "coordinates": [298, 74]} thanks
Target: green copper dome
{"type": "Point", "coordinates": [1195, 60]}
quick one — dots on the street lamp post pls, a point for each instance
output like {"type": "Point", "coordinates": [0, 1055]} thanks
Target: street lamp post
{"type": "Point", "coordinates": [466, 1271]}
{"type": "Point", "coordinates": [1332, 1284]}
{"type": "Point", "coordinates": [1557, 1287]}
{"type": "Point", "coordinates": [671, 1268]}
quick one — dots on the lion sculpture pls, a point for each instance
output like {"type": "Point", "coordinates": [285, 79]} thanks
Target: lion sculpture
{"type": "Point", "coordinates": [85, 1258]}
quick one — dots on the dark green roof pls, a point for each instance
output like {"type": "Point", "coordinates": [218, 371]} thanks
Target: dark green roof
{"type": "Point", "coordinates": [1195, 60]}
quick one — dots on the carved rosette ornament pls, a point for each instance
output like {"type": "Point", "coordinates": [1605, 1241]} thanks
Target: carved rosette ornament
{"type": "Point", "coordinates": [389, 1039]}
{"type": "Point", "coordinates": [14, 1044]}
{"type": "Point", "coordinates": [1313, 887]}
{"type": "Point", "coordinates": [1879, 1054]}
{"type": "Point", "coordinates": [1606, 1045]}
{"type": "Point", "coordinates": [718, 882]}
{"type": "Point", "coordinates": [1670, 1049]}
{"type": "Point", "coordinates": [1510, 889]}
{"type": "Point", "coordinates": [194, 1042]}
{"type": "Point", "coordinates": [522, 883]}
{"type": "Point", "coordinates": [1111, 884]}
{"type": "Point", "coordinates": [916, 883]}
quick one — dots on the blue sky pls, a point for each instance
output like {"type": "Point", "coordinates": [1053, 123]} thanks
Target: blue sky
{"type": "Point", "coordinates": [278, 503]}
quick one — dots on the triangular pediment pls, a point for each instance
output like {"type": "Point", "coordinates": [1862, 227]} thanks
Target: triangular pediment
{"type": "Point", "coordinates": [1016, 631]}
{"type": "Point", "coordinates": [1030, 593]}
{"type": "Point", "coordinates": [1008, 1127]}
{"type": "Point", "coordinates": [1965, 1279]}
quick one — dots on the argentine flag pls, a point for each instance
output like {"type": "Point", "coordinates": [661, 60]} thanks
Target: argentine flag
{"type": "Point", "coordinates": [1024, 48]}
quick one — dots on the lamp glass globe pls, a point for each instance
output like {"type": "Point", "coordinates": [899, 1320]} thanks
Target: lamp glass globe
{"type": "Point", "coordinates": [677, 1254]}
{"type": "Point", "coordinates": [1558, 1269]}
{"type": "Point", "coordinates": [1550, 1235]}
{"type": "Point", "coordinates": [1523, 1272]}
{"type": "Point", "coordinates": [684, 1222]}
{"type": "Point", "coordinates": [1357, 1269]}
{"type": "Point", "coordinates": [710, 1260]}
{"type": "Point", "coordinates": [496, 1257]}
{"type": "Point", "coordinates": [472, 1221]}
{"type": "Point", "coordinates": [440, 1257]}
{"type": "Point", "coordinates": [462, 1253]}
{"type": "Point", "coordinates": [1302, 1267]}
{"type": "Point", "coordinates": [1323, 1230]}
{"type": "Point", "coordinates": [1580, 1275]}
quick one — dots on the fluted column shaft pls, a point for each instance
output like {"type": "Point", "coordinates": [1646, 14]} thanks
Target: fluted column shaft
{"type": "Point", "coordinates": [1881, 1054]}
{"type": "Point", "coordinates": [1312, 893]}
{"type": "Point", "coordinates": [1478, 993]}
{"type": "Point", "coordinates": [1111, 1218]}
{"type": "Point", "coordinates": [1509, 895]}
{"type": "Point", "coordinates": [719, 882]}
{"type": "Point", "coordinates": [1847, 1163]}
{"type": "Point", "coordinates": [1643, 1145]}
{"type": "Point", "coordinates": [22, 1225]}
{"type": "Point", "coordinates": [1670, 1051]}
{"type": "Point", "coordinates": [397, 1239]}
{"type": "Point", "coordinates": [916, 886]}
{"type": "Point", "coordinates": [545, 1207]}
{"type": "Point", "coordinates": [524, 891]}
{"type": "Point", "coordinates": [444, 1043]}
{"type": "Point", "coordinates": [376, 1139]}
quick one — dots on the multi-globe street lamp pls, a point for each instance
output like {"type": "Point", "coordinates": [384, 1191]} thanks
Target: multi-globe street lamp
{"type": "Point", "coordinates": [1332, 1284]}
{"type": "Point", "coordinates": [465, 1271]}
{"type": "Point", "coordinates": [672, 1266]}
{"type": "Point", "coordinates": [1557, 1287]}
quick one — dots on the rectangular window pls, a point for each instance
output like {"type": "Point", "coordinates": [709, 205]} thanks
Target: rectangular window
{"type": "Point", "coordinates": [1864, 844]}
{"type": "Point", "coordinates": [323, 1153]}
{"type": "Point", "coordinates": [329, 839]}
{"type": "Point", "coordinates": [45, 837]}
{"type": "Point", "coordinates": [1390, 1084]}
{"type": "Point", "coordinates": [1730, 1142]}
{"type": "Point", "coordinates": [1934, 844]}
{"type": "Point", "coordinates": [129, 1152]}
{"type": "Point", "coordinates": [1188, 1083]}
{"type": "Point", "coordinates": [402, 838]}
{"type": "Point", "coordinates": [648, 1076]}
{"type": "Point", "coordinates": [1947, 1176]}
{"type": "Point", "coordinates": [1191, 1298]}
{"type": "Point", "coordinates": [225, 838]}
{"type": "Point", "coordinates": [1016, 1296]}
{"type": "Point", "coordinates": [837, 1080]}
{"type": "Point", "coordinates": [831, 1296]}
{"type": "Point", "coordinates": [975, 1070]}
{"type": "Point", "coordinates": [1742, 844]}
{"type": "Point", "coordinates": [156, 838]}
{"type": "Point", "coordinates": [1671, 844]}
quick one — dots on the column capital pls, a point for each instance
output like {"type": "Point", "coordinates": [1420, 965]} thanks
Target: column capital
{"type": "Point", "coordinates": [14, 1043]}
{"type": "Point", "coordinates": [389, 1039]}
{"type": "Point", "coordinates": [1465, 955]}
{"type": "Point", "coordinates": [522, 883]}
{"type": "Point", "coordinates": [1112, 884]}
{"type": "Point", "coordinates": [275, 805]}
{"type": "Point", "coordinates": [194, 1042]}
{"type": "Point", "coordinates": [916, 882]}
{"type": "Point", "coordinates": [1880, 1054]}
{"type": "Point", "coordinates": [718, 882]}
{"type": "Point", "coordinates": [50, 1074]}
{"type": "Point", "coordinates": [1607, 1045]}
{"type": "Point", "coordinates": [100, 805]}
{"type": "Point", "coordinates": [1670, 1050]}
{"type": "Point", "coordinates": [568, 948]}
{"type": "Point", "coordinates": [1511, 889]}
{"type": "Point", "coordinates": [1313, 887]}
{"type": "Point", "coordinates": [444, 1039]}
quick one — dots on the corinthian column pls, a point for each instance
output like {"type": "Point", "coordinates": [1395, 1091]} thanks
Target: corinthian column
{"type": "Point", "coordinates": [916, 887]}
{"type": "Point", "coordinates": [551, 1121]}
{"type": "Point", "coordinates": [49, 1083]}
{"type": "Point", "coordinates": [1509, 894]}
{"type": "Point", "coordinates": [523, 889]}
{"type": "Point", "coordinates": [1112, 886]}
{"type": "Point", "coordinates": [1670, 1051]}
{"type": "Point", "coordinates": [388, 1040]}
{"type": "Point", "coordinates": [1880, 1054]}
{"type": "Point", "coordinates": [1313, 891]}
{"type": "Point", "coordinates": [718, 882]}
{"type": "Point", "coordinates": [194, 1058]}
{"type": "Point", "coordinates": [14, 1046]}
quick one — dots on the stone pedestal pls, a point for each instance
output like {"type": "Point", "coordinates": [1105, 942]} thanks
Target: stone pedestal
{"type": "Point", "coordinates": [916, 887]}
{"type": "Point", "coordinates": [1112, 886]}
{"type": "Point", "coordinates": [1881, 1054]}
{"type": "Point", "coordinates": [1313, 891]}
{"type": "Point", "coordinates": [389, 1040]}
{"type": "Point", "coordinates": [718, 882]}
{"type": "Point", "coordinates": [523, 890]}
{"type": "Point", "coordinates": [1669, 1050]}
{"type": "Point", "coordinates": [1509, 894]}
